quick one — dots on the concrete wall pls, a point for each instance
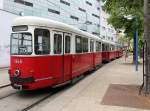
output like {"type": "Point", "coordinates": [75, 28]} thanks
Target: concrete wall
{"type": "Point", "coordinates": [6, 19]}
{"type": "Point", "coordinates": [40, 9]}
{"type": "Point", "coordinates": [1, 4]}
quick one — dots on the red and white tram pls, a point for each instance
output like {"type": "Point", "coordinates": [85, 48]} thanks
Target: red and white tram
{"type": "Point", "coordinates": [48, 53]}
{"type": "Point", "coordinates": [110, 51]}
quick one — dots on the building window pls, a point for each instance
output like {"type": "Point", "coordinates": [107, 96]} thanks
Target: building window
{"type": "Point", "coordinates": [88, 22]}
{"type": "Point", "coordinates": [87, 2]}
{"type": "Point", "coordinates": [65, 2]}
{"type": "Point", "coordinates": [67, 44]}
{"type": "Point", "coordinates": [95, 15]}
{"type": "Point", "coordinates": [74, 17]}
{"type": "Point", "coordinates": [24, 3]}
{"type": "Point", "coordinates": [42, 41]}
{"type": "Point", "coordinates": [57, 43]}
{"type": "Point", "coordinates": [81, 9]}
{"type": "Point", "coordinates": [95, 33]}
{"type": "Point", "coordinates": [53, 11]}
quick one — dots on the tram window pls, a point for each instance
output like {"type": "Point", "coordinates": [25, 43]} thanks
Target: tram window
{"type": "Point", "coordinates": [98, 46]}
{"type": "Point", "coordinates": [78, 44]}
{"type": "Point", "coordinates": [107, 47]}
{"type": "Point", "coordinates": [91, 46]}
{"type": "Point", "coordinates": [85, 44]}
{"type": "Point", "coordinates": [57, 43]}
{"type": "Point", "coordinates": [42, 41]}
{"type": "Point", "coordinates": [103, 47]}
{"type": "Point", "coordinates": [21, 44]}
{"type": "Point", "coordinates": [67, 44]}
{"type": "Point", "coordinates": [110, 48]}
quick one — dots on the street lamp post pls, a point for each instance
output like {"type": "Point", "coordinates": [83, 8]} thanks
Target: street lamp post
{"type": "Point", "coordinates": [130, 17]}
{"type": "Point", "coordinates": [136, 49]}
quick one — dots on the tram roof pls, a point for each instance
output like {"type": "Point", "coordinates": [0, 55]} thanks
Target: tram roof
{"type": "Point", "coordinates": [37, 21]}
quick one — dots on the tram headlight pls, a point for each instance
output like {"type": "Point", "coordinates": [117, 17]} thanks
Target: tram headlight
{"type": "Point", "coordinates": [17, 73]}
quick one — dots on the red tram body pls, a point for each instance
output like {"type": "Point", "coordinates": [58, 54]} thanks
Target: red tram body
{"type": "Point", "coordinates": [46, 53]}
{"type": "Point", "coordinates": [44, 71]}
{"type": "Point", "coordinates": [110, 51]}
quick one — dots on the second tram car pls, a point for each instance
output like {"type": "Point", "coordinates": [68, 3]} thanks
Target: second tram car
{"type": "Point", "coordinates": [49, 53]}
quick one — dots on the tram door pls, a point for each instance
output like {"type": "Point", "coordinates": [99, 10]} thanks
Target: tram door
{"type": "Point", "coordinates": [103, 47]}
{"type": "Point", "coordinates": [67, 61]}
{"type": "Point", "coordinates": [58, 59]}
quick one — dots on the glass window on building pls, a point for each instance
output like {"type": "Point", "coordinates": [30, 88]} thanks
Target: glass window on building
{"type": "Point", "coordinates": [42, 41]}
{"type": "Point", "coordinates": [82, 10]}
{"type": "Point", "coordinates": [23, 2]}
{"type": "Point", "coordinates": [53, 11]}
{"type": "Point", "coordinates": [89, 3]}
{"type": "Point", "coordinates": [57, 43]}
{"type": "Point", "coordinates": [74, 17]}
{"type": "Point", "coordinates": [65, 2]}
{"type": "Point", "coordinates": [97, 16]}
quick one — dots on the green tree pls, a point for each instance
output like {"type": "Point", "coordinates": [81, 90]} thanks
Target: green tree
{"type": "Point", "coordinates": [118, 9]}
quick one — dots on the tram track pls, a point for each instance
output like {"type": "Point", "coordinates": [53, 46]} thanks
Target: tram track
{"type": "Point", "coordinates": [8, 95]}
{"type": "Point", "coordinates": [3, 69]}
{"type": "Point", "coordinates": [37, 102]}
{"type": "Point", "coordinates": [4, 86]}
{"type": "Point", "coordinates": [55, 91]}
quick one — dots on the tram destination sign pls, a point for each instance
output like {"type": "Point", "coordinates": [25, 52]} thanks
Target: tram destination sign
{"type": "Point", "coordinates": [19, 28]}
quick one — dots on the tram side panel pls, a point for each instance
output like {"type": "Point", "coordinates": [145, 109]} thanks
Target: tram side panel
{"type": "Point", "coordinates": [67, 67]}
{"type": "Point", "coordinates": [98, 58]}
{"type": "Point", "coordinates": [37, 72]}
{"type": "Point", "coordinates": [105, 56]}
{"type": "Point", "coordinates": [81, 63]}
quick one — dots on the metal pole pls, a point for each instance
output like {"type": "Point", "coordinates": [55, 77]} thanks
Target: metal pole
{"type": "Point", "coordinates": [136, 50]}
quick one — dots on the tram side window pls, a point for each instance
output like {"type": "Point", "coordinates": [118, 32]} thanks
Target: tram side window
{"type": "Point", "coordinates": [67, 44]}
{"type": "Point", "coordinates": [85, 44]}
{"type": "Point", "coordinates": [42, 41]}
{"type": "Point", "coordinates": [111, 48]}
{"type": "Point", "coordinates": [98, 46]}
{"type": "Point", "coordinates": [103, 47]}
{"type": "Point", "coordinates": [107, 47]}
{"type": "Point", "coordinates": [78, 44]}
{"type": "Point", "coordinates": [57, 43]}
{"type": "Point", "coordinates": [91, 46]}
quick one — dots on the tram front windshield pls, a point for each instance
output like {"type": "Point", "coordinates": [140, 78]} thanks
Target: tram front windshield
{"type": "Point", "coordinates": [21, 44]}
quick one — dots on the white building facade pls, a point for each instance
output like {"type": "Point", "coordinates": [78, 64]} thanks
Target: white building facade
{"type": "Point", "coordinates": [86, 15]}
